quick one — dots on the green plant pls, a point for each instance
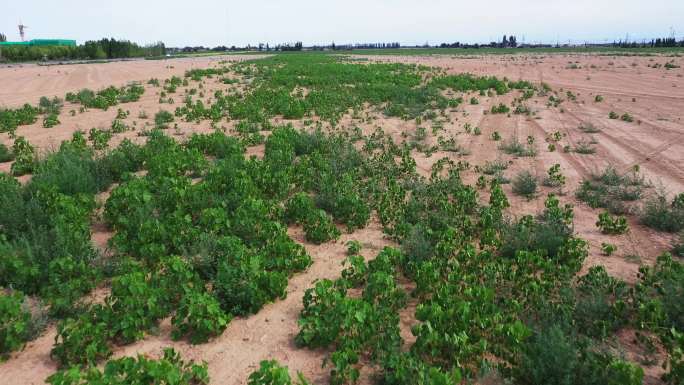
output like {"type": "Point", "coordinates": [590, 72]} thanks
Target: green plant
{"type": "Point", "coordinates": [657, 213]}
{"type": "Point", "coordinates": [272, 373]}
{"type": "Point", "coordinates": [169, 369]}
{"type": "Point", "coordinates": [353, 247]}
{"type": "Point", "coordinates": [118, 126]}
{"type": "Point", "coordinates": [627, 117]}
{"type": "Point", "coordinates": [24, 157]}
{"type": "Point", "coordinates": [612, 225]}
{"type": "Point", "coordinates": [299, 208]}
{"type": "Point", "coordinates": [678, 248]}
{"type": "Point", "coordinates": [319, 227]}
{"type": "Point", "coordinates": [613, 115]}
{"type": "Point", "coordinates": [598, 99]}
{"type": "Point", "coordinates": [584, 146]}
{"type": "Point", "coordinates": [608, 248]}
{"type": "Point", "coordinates": [514, 147]}
{"type": "Point", "coordinates": [99, 138]}
{"type": "Point", "coordinates": [14, 322]}
{"type": "Point", "coordinates": [6, 154]}
{"type": "Point", "coordinates": [554, 177]}
{"type": "Point", "coordinates": [162, 119]}
{"type": "Point", "coordinates": [589, 128]}
{"type": "Point", "coordinates": [199, 314]}
{"type": "Point", "coordinates": [525, 184]}
{"type": "Point", "coordinates": [500, 109]}
{"type": "Point", "coordinates": [50, 120]}
{"type": "Point", "coordinates": [83, 340]}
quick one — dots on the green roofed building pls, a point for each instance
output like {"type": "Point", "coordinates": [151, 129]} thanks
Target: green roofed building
{"type": "Point", "coordinates": [41, 43]}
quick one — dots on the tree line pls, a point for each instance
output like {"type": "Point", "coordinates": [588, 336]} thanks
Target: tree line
{"type": "Point", "coordinates": [93, 49]}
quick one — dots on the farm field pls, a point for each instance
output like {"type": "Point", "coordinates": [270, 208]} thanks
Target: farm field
{"type": "Point", "coordinates": [417, 219]}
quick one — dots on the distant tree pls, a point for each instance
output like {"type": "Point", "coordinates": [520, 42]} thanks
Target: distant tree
{"type": "Point", "coordinates": [3, 38]}
{"type": "Point", "coordinates": [512, 41]}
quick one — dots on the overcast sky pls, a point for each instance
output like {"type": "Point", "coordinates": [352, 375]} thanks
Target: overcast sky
{"type": "Point", "coordinates": [215, 22]}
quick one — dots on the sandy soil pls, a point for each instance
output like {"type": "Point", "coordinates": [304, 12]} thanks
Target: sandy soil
{"type": "Point", "coordinates": [26, 83]}
{"type": "Point", "coordinates": [654, 141]}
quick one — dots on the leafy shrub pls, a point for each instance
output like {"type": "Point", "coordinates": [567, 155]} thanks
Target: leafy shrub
{"type": "Point", "coordinates": [51, 120]}
{"type": "Point", "coordinates": [118, 126]}
{"type": "Point", "coordinates": [299, 208]}
{"type": "Point", "coordinates": [14, 322]}
{"type": "Point", "coordinates": [549, 234]}
{"type": "Point", "coordinates": [407, 369]}
{"type": "Point", "coordinates": [341, 198]}
{"type": "Point", "coordinates": [169, 369]}
{"type": "Point", "coordinates": [199, 315]}
{"type": "Point", "coordinates": [68, 280]}
{"type": "Point", "coordinates": [272, 373]}
{"type": "Point", "coordinates": [24, 157]}
{"type": "Point", "coordinates": [216, 144]}
{"type": "Point", "coordinates": [626, 117]}
{"type": "Point", "coordinates": [525, 184]}
{"type": "Point", "coordinates": [555, 178]}
{"type": "Point", "coordinates": [83, 340]}
{"type": "Point", "coordinates": [10, 119]}
{"type": "Point", "coordinates": [99, 138]}
{"type": "Point", "coordinates": [243, 285]}
{"type": "Point", "coordinates": [319, 227]}
{"type": "Point", "coordinates": [353, 247]}
{"type": "Point", "coordinates": [600, 304]}
{"type": "Point", "coordinates": [107, 97]}
{"type": "Point", "coordinates": [136, 304]}
{"type": "Point", "coordinates": [608, 248]}
{"type": "Point", "coordinates": [126, 158]}
{"type": "Point", "coordinates": [5, 154]}
{"type": "Point", "coordinates": [678, 248]}
{"type": "Point", "coordinates": [612, 225]}
{"type": "Point", "coordinates": [613, 115]}
{"type": "Point", "coordinates": [659, 295]}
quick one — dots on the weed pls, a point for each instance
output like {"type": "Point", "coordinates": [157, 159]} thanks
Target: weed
{"type": "Point", "coordinates": [589, 128]}
{"type": "Point", "coordinates": [525, 184]}
{"type": "Point", "coordinates": [514, 147]}
{"type": "Point", "coordinates": [584, 147]}
{"type": "Point", "coordinates": [162, 119]}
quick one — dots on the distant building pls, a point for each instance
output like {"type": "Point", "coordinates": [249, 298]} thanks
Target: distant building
{"type": "Point", "coordinates": [41, 43]}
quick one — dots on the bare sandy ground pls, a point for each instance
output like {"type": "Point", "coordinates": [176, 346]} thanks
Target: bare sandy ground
{"type": "Point", "coordinates": [26, 83]}
{"type": "Point", "coordinates": [654, 141]}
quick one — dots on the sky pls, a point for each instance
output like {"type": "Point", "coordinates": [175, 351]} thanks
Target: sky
{"type": "Point", "coordinates": [410, 22]}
